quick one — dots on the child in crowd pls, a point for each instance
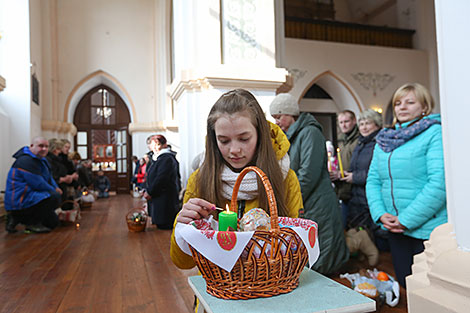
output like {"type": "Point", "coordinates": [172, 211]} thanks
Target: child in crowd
{"type": "Point", "coordinates": [238, 135]}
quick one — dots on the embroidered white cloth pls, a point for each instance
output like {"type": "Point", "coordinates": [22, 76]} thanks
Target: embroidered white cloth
{"type": "Point", "coordinates": [224, 248]}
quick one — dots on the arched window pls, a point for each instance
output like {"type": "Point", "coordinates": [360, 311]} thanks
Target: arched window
{"type": "Point", "coordinates": [102, 121]}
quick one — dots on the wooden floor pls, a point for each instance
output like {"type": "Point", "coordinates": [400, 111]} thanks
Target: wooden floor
{"type": "Point", "coordinates": [101, 267]}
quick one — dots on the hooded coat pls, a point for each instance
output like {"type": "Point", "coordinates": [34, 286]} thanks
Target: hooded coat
{"type": "Point", "coordinates": [309, 161]}
{"type": "Point", "coordinates": [409, 182]}
{"type": "Point", "coordinates": [29, 181]}
{"type": "Point", "coordinates": [163, 185]}
{"type": "Point", "coordinates": [293, 201]}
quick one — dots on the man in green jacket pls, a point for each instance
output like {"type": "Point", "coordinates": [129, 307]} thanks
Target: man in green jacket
{"type": "Point", "coordinates": [308, 159]}
{"type": "Point", "coordinates": [347, 142]}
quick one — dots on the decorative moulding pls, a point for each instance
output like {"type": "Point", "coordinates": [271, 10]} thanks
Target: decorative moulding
{"type": "Point", "coordinates": [373, 81]}
{"type": "Point", "coordinates": [229, 77]}
{"type": "Point", "coordinates": [168, 125]}
{"type": "Point", "coordinates": [3, 83]}
{"type": "Point", "coordinates": [58, 126]}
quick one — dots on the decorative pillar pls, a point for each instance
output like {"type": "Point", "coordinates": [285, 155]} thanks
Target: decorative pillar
{"type": "Point", "coordinates": [441, 274]}
{"type": "Point", "coordinates": [219, 46]}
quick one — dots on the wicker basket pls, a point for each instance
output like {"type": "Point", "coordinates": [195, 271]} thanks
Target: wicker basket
{"type": "Point", "coordinates": [136, 220]}
{"type": "Point", "coordinates": [266, 274]}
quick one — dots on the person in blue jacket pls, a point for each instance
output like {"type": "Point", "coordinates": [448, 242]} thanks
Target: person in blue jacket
{"type": "Point", "coordinates": [406, 185]}
{"type": "Point", "coordinates": [32, 195]}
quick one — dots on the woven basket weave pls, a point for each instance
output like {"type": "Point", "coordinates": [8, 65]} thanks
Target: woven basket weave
{"type": "Point", "coordinates": [267, 273]}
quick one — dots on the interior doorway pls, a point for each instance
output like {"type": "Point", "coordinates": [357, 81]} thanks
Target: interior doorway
{"type": "Point", "coordinates": [102, 120]}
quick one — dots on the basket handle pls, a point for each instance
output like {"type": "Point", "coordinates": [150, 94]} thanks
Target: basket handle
{"type": "Point", "coordinates": [269, 193]}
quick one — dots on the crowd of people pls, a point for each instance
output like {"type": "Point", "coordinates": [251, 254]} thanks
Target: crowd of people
{"type": "Point", "coordinates": [387, 194]}
{"type": "Point", "coordinates": [46, 179]}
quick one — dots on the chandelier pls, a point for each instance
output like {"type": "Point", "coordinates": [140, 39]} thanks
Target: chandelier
{"type": "Point", "coordinates": [104, 112]}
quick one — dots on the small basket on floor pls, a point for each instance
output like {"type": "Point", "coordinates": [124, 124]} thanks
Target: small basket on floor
{"type": "Point", "coordinates": [257, 275]}
{"type": "Point", "coordinates": [136, 220]}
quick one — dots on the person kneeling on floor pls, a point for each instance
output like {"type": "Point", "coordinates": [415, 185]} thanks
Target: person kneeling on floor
{"type": "Point", "coordinates": [32, 195]}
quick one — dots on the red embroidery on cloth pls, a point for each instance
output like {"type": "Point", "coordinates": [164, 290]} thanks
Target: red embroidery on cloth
{"type": "Point", "coordinates": [202, 224]}
{"type": "Point", "coordinates": [209, 233]}
{"type": "Point", "coordinates": [296, 222]}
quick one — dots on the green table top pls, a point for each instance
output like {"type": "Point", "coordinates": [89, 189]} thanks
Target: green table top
{"type": "Point", "coordinates": [316, 293]}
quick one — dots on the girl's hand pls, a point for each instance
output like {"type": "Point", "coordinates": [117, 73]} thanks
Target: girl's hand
{"type": "Point", "coordinates": [194, 209]}
{"type": "Point", "coordinates": [348, 177]}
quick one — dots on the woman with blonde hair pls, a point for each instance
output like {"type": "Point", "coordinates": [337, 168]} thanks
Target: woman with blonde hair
{"type": "Point", "coordinates": [405, 185]}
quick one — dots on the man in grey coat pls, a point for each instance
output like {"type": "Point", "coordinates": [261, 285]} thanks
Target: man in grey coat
{"type": "Point", "coordinates": [309, 161]}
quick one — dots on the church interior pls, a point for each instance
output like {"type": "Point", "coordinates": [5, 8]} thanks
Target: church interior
{"type": "Point", "coordinates": [107, 74]}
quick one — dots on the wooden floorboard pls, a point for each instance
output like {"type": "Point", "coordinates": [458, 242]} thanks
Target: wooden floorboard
{"type": "Point", "coordinates": [102, 267]}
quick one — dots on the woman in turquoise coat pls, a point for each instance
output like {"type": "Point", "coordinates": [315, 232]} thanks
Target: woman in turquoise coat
{"type": "Point", "coordinates": [406, 185]}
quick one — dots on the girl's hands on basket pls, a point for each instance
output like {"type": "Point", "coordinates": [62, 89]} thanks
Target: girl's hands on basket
{"type": "Point", "coordinates": [194, 209]}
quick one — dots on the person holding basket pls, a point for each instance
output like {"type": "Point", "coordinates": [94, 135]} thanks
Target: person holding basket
{"type": "Point", "coordinates": [238, 136]}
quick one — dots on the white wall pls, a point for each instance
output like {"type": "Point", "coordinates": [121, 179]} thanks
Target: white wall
{"type": "Point", "coordinates": [312, 58]}
{"type": "Point", "coordinates": [15, 117]}
{"type": "Point", "coordinates": [116, 36]}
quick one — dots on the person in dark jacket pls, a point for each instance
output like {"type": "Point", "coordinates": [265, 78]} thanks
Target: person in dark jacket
{"type": "Point", "coordinates": [163, 184]}
{"type": "Point", "coordinates": [85, 175]}
{"type": "Point", "coordinates": [359, 223]}
{"type": "Point", "coordinates": [60, 173]}
{"type": "Point", "coordinates": [32, 195]}
{"type": "Point", "coordinates": [347, 141]}
{"type": "Point", "coordinates": [102, 185]}
{"type": "Point", "coordinates": [308, 159]}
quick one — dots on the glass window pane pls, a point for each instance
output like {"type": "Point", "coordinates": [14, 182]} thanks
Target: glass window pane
{"type": "Point", "coordinates": [118, 148]}
{"type": "Point", "coordinates": [124, 151]}
{"type": "Point", "coordinates": [96, 98]}
{"type": "Point", "coordinates": [124, 136]}
{"type": "Point", "coordinates": [81, 138]}
{"type": "Point", "coordinates": [124, 165]}
{"type": "Point", "coordinates": [82, 150]}
{"type": "Point", "coordinates": [119, 137]}
{"type": "Point", "coordinates": [119, 167]}
{"type": "Point", "coordinates": [111, 99]}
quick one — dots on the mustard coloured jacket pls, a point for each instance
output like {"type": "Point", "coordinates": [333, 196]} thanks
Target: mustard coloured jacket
{"type": "Point", "coordinates": [294, 197]}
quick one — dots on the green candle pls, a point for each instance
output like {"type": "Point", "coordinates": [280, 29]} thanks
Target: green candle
{"type": "Point", "coordinates": [227, 219]}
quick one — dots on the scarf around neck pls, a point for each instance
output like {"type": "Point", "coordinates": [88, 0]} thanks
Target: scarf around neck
{"type": "Point", "coordinates": [249, 186]}
{"type": "Point", "coordinates": [389, 139]}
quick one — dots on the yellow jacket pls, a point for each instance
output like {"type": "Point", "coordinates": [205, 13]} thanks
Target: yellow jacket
{"type": "Point", "coordinates": [294, 197]}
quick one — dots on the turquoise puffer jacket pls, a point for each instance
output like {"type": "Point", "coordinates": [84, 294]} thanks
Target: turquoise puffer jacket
{"type": "Point", "coordinates": [409, 182]}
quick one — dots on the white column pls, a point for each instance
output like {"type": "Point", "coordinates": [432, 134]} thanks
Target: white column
{"type": "Point", "coordinates": [219, 46]}
{"type": "Point", "coordinates": [441, 274]}
{"type": "Point", "coordinates": [453, 25]}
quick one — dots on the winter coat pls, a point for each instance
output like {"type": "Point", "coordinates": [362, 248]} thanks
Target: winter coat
{"type": "Point", "coordinates": [294, 197]}
{"type": "Point", "coordinates": [359, 214]}
{"type": "Point", "coordinates": [29, 181]}
{"type": "Point", "coordinates": [102, 183]}
{"type": "Point", "coordinates": [347, 143]}
{"type": "Point", "coordinates": [309, 161]}
{"type": "Point", "coordinates": [163, 184]}
{"type": "Point", "coordinates": [85, 176]}
{"type": "Point", "coordinates": [409, 182]}
{"type": "Point", "coordinates": [58, 168]}
{"type": "Point", "coordinates": [141, 174]}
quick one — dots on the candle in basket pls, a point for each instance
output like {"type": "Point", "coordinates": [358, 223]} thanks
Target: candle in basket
{"type": "Point", "coordinates": [227, 219]}
{"type": "Point", "coordinates": [340, 162]}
